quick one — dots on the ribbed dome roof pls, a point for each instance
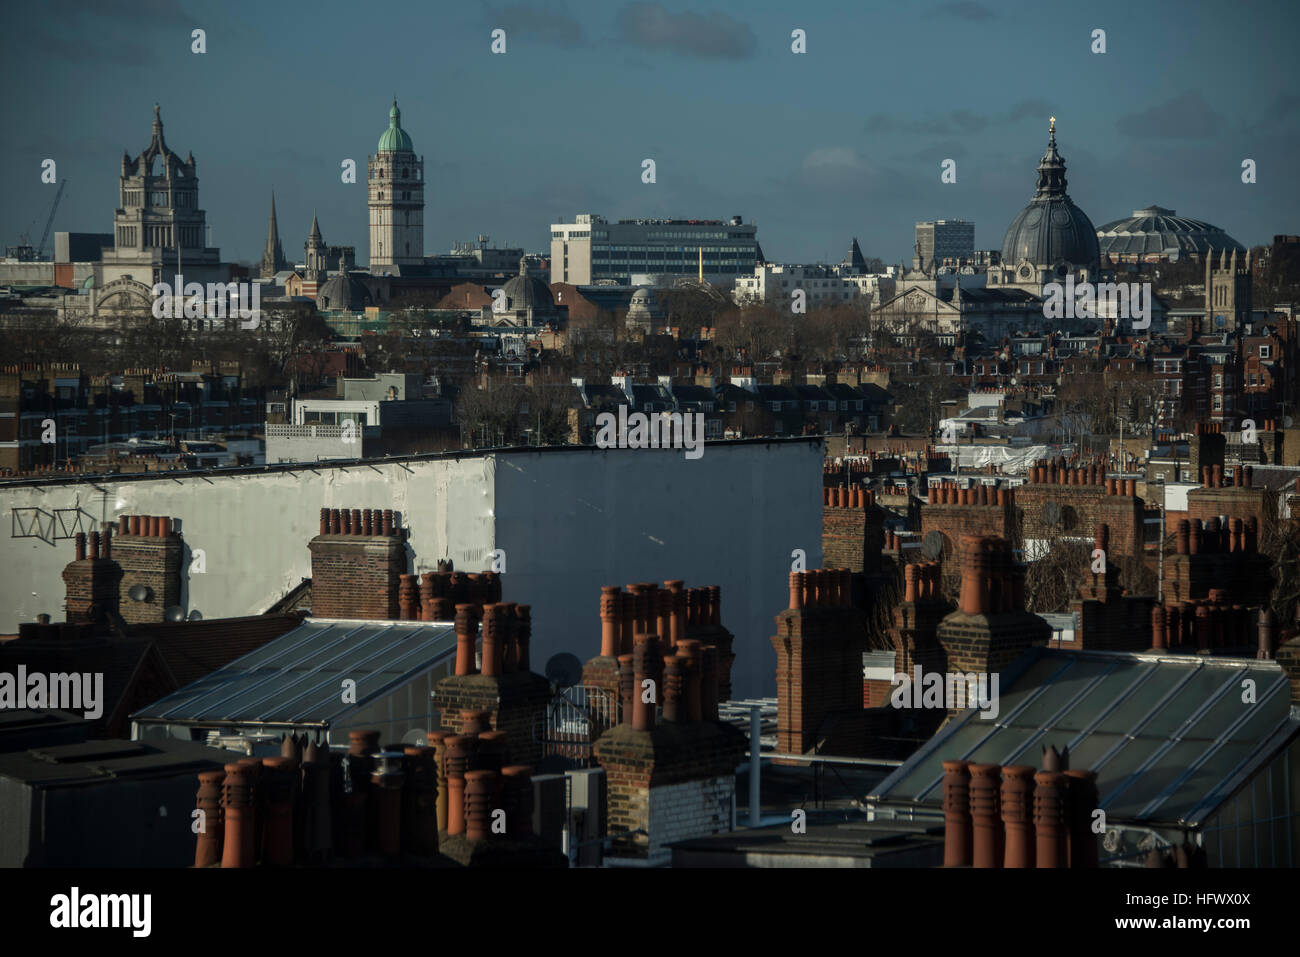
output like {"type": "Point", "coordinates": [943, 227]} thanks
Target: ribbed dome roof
{"type": "Point", "coordinates": [395, 139]}
{"type": "Point", "coordinates": [528, 292]}
{"type": "Point", "coordinates": [1159, 230]}
{"type": "Point", "coordinates": [343, 293]}
{"type": "Point", "coordinates": [1051, 229]}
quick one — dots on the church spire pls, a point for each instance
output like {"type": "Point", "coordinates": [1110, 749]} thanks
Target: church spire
{"type": "Point", "coordinates": [273, 255]}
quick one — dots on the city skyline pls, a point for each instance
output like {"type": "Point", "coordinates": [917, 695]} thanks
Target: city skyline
{"type": "Point", "coordinates": [809, 169]}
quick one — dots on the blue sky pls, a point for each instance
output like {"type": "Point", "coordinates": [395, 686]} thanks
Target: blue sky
{"type": "Point", "coordinates": [846, 139]}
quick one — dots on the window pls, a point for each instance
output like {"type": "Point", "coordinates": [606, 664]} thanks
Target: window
{"type": "Point", "coordinates": [1265, 352]}
{"type": "Point", "coordinates": [1218, 403]}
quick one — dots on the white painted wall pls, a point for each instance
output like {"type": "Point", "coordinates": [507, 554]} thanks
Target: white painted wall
{"type": "Point", "coordinates": [570, 521]}
{"type": "Point", "coordinates": [253, 528]}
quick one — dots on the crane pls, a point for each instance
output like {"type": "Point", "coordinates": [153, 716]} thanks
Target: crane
{"type": "Point", "coordinates": [40, 250]}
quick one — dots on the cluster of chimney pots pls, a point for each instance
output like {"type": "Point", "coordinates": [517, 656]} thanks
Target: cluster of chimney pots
{"type": "Point", "coordinates": [645, 629]}
{"type": "Point", "coordinates": [1016, 816]}
{"type": "Point", "coordinates": [309, 805]}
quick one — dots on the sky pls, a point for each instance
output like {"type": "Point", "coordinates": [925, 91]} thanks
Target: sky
{"type": "Point", "coordinates": [847, 139]}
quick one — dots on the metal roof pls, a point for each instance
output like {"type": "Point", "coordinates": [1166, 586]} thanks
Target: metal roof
{"type": "Point", "coordinates": [1168, 735]}
{"type": "Point", "coordinates": [297, 678]}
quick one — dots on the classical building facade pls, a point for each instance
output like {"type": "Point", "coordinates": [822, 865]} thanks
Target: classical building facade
{"type": "Point", "coordinates": [396, 197]}
{"type": "Point", "coordinates": [1051, 240]}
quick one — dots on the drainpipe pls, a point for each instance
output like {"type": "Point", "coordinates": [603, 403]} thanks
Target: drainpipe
{"type": "Point", "coordinates": [755, 747]}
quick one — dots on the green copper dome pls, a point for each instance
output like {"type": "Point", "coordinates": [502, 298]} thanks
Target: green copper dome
{"type": "Point", "coordinates": [395, 138]}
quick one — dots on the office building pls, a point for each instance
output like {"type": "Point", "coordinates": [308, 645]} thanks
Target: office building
{"type": "Point", "coordinates": [591, 249]}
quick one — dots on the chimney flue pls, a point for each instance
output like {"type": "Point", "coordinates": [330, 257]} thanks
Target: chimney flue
{"type": "Point", "coordinates": [465, 637]}
{"type": "Point", "coordinates": [957, 836]}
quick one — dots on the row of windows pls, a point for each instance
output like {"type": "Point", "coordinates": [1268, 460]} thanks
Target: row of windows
{"type": "Point", "coordinates": [613, 270]}
{"type": "Point", "coordinates": [679, 262]}
{"type": "Point", "coordinates": [743, 250]}
{"type": "Point", "coordinates": [134, 198]}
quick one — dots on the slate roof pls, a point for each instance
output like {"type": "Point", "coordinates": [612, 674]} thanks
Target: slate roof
{"type": "Point", "coordinates": [1168, 735]}
{"type": "Point", "coordinates": [295, 679]}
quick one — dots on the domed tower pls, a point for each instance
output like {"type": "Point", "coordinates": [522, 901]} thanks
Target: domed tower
{"type": "Point", "coordinates": [526, 300]}
{"type": "Point", "coordinates": [644, 312]}
{"type": "Point", "coordinates": [1051, 238]}
{"type": "Point", "coordinates": [396, 190]}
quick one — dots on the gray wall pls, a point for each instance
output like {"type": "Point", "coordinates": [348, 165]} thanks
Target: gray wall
{"type": "Point", "coordinates": [573, 522]}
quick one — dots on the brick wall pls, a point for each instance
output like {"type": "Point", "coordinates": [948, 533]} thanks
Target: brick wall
{"type": "Point", "coordinates": [91, 587]}
{"type": "Point", "coordinates": [515, 702]}
{"type": "Point", "coordinates": [151, 558]}
{"type": "Point", "coordinates": [1243, 503]}
{"type": "Point", "coordinates": [693, 765]}
{"type": "Point", "coordinates": [1246, 576]}
{"type": "Point", "coordinates": [989, 643]}
{"type": "Point", "coordinates": [818, 671]}
{"type": "Point", "coordinates": [1122, 623]}
{"type": "Point", "coordinates": [852, 537]}
{"type": "Point", "coordinates": [355, 576]}
{"type": "Point", "coordinates": [1080, 509]}
{"type": "Point", "coordinates": [679, 812]}
{"type": "Point", "coordinates": [955, 521]}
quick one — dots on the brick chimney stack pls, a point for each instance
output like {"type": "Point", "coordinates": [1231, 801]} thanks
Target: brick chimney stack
{"type": "Point", "coordinates": [359, 576]}
{"type": "Point", "coordinates": [819, 644]}
{"type": "Point", "coordinates": [91, 583]}
{"type": "Point", "coordinates": [989, 630]}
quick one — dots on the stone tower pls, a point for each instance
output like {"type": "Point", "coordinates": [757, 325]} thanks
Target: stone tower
{"type": "Point", "coordinates": [1227, 292]}
{"type": "Point", "coordinates": [396, 198]}
{"type": "Point", "coordinates": [158, 223]}
{"type": "Point", "coordinates": [315, 268]}
{"type": "Point", "coordinates": [273, 255]}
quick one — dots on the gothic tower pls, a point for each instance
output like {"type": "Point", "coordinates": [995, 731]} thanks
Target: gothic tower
{"type": "Point", "coordinates": [1227, 292]}
{"type": "Point", "coordinates": [273, 255]}
{"type": "Point", "coordinates": [396, 190]}
{"type": "Point", "coordinates": [158, 226]}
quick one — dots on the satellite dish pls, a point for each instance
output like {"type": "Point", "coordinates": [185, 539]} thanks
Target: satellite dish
{"type": "Point", "coordinates": [140, 593]}
{"type": "Point", "coordinates": [564, 670]}
{"type": "Point", "coordinates": [174, 613]}
{"type": "Point", "coordinates": [1287, 422]}
{"type": "Point", "coordinates": [932, 545]}
{"type": "Point", "coordinates": [1051, 513]}
{"type": "Point", "coordinates": [196, 615]}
